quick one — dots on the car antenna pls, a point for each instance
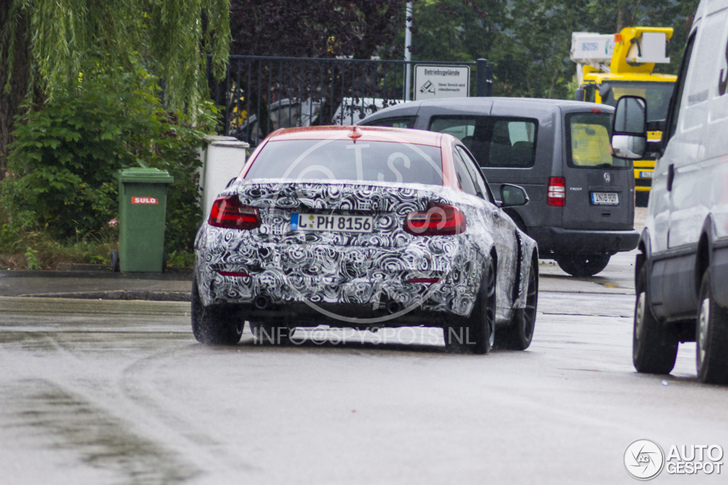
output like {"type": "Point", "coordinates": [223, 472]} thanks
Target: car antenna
{"type": "Point", "coordinates": [355, 133]}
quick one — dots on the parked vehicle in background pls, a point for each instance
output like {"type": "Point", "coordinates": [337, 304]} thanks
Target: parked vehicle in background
{"type": "Point", "coordinates": [364, 228]}
{"type": "Point", "coordinates": [352, 110]}
{"type": "Point", "coordinates": [285, 113]}
{"type": "Point", "coordinates": [582, 199]}
{"type": "Point", "coordinates": [682, 267]}
{"type": "Point", "coordinates": [291, 113]}
{"type": "Point", "coordinates": [613, 65]}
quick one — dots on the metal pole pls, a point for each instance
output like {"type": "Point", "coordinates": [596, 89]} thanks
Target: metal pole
{"type": "Point", "coordinates": [484, 82]}
{"type": "Point", "coordinates": [407, 52]}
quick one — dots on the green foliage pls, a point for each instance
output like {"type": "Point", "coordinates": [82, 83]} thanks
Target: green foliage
{"type": "Point", "coordinates": [32, 260]}
{"type": "Point", "coordinates": [68, 152]}
{"type": "Point", "coordinates": [180, 259]}
{"type": "Point", "coordinates": [529, 40]}
{"type": "Point", "coordinates": [169, 35]}
{"type": "Point", "coordinates": [45, 44]}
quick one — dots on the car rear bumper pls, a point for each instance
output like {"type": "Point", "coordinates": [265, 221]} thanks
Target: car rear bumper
{"type": "Point", "coordinates": [272, 291]}
{"type": "Point", "coordinates": [361, 317]}
{"type": "Point", "coordinates": [556, 240]}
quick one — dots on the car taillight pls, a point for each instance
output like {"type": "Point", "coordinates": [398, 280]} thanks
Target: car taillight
{"type": "Point", "coordinates": [229, 212]}
{"type": "Point", "coordinates": [424, 280]}
{"type": "Point", "coordinates": [557, 192]}
{"type": "Point", "coordinates": [439, 220]}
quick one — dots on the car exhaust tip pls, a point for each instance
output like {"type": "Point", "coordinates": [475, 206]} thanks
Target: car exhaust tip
{"type": "Point", "coordinates": [262, 302]}
{"type": "Point", "coordinates": [393, 307]}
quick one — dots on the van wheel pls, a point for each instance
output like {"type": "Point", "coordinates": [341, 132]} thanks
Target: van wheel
{"type": "Point", "coordinates": [476, 333]}
{"type": "Point", "coordinates": [518, 335]}
{"type": "Point", "coordinates": [214, 325]}
{"type": "Point", "coordinates": [583, 265]}
{"type": "Point", "coordinates": [711, 337]}
{"type": "Point", "coordinates": [654, 346]}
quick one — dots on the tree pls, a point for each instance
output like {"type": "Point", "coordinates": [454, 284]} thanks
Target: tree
{"type": "Point", "coordinates": [454, 30]}
{"type": "Point", "coordinates": [529, 40]}
{"type": "Point", "coordinates": [315, 28]}
{"type": "Point", "coordinates": [45, 46]}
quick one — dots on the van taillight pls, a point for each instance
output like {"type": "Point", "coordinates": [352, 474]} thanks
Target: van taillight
{"type": "Point", "coordinates": [229, 212]}
{"type": "Point", "coordinates": [556, 196]}
{"type": "Point", "coordinates": [439, 220]}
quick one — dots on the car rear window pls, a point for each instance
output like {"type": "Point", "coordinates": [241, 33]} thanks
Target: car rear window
{"type": "Point", "coordinates": [588, 137]}
{"type": "Point", "coordinates": [349, 161]}
{"type": "Point", "coordinates": [493, 141]}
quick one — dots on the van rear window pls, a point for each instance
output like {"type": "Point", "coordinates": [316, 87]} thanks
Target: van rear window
{"type": "Point", "coordinates": [494, 142]}
{"type": "Point", "coordinates": [588, 136]}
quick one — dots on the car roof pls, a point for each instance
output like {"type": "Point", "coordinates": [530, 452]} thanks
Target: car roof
{"type": "Point", "coordinates": [535, 107]}
{"type": "Point", "coordinates": [487, 101]}
{"type": "Point", "coordinates": [364, 133]}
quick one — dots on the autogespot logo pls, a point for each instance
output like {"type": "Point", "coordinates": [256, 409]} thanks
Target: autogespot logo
{"type": "Point", "coordinates": [644, 459]}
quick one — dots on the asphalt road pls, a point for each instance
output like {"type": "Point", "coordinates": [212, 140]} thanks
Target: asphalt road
{"type": "Point", "coordinates": [119, 392]}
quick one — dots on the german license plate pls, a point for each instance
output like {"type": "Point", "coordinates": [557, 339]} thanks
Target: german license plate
{"type": "Point", "coordinates": [604, 198]}
{"type": "Point", "coordinates": [645, 175]}
{"type": "Point", "coordinates": [331, 222]}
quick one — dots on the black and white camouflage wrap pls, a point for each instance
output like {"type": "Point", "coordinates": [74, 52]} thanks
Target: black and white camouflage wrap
{"type": "Point", "coordinates": [361, 269]}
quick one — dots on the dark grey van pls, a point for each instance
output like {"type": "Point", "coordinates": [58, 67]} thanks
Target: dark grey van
{"type": "Point", "coordinates": [582, 199]}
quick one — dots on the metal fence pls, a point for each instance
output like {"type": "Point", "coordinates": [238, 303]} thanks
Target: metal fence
{"type": "Point", "coordinates": [260, 94]}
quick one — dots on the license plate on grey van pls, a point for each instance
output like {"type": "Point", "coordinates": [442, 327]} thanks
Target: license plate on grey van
{"type": "Point", "coordinates": [604, 198]}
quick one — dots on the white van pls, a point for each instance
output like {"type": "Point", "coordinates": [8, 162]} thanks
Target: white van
{"type": "Point", "coordinates": [682, 269]}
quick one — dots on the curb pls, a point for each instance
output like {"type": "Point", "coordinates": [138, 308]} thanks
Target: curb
{"type": "Point", "coordinates": [184, 296]}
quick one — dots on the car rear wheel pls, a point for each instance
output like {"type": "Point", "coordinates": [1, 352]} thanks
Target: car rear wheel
{"type": "Point", "coordinates": [711, 337]}
{"type": "Point", "coordinates": [271, 332]}
{"type": "Point", "coordinates": [476, 333]}
{"type": "Point", "coordinates": [654, 346]}
{"type": "Point", "coordinates": [581, 265]}
{"type": "Point", "coordinates": [518, 335]}
{"type": "Point", "coordinates": [214, 325]}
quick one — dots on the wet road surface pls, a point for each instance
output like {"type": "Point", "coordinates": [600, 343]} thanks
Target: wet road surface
{"type": "Point", "coordinates": [119, 392]}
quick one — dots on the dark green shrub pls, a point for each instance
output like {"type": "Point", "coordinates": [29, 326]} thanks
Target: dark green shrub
{"type": "Point", "coordinates": [68, 152]}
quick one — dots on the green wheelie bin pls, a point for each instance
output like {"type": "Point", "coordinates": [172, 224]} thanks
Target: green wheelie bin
{"type": "Point", "coordinates": [142, 214]}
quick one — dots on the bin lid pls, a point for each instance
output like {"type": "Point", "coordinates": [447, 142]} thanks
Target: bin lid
{"type": "Point", "coordinates": [145, 175]}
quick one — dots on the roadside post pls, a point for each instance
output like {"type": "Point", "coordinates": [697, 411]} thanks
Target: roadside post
{"type": "Point", "coordinates": [222, 160]}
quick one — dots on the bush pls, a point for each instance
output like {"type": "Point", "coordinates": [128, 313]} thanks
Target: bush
{"type": "Point", "coordinates": [63, 165]}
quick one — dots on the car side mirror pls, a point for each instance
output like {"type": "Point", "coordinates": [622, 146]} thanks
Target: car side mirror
{"type": "Point", "coordinates": [629, 128]}
{"type": "Point", "coordinates": [513, 195]}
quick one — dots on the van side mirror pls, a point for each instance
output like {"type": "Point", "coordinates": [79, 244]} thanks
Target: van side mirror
{"type": "Point", "coordinates": [604, 90]}
{"type": "Point", "coordinates": [513, 195]}
{"type": "Point", "coordinates": [579, 94]}
{"type": "Point", "coordinates": [629, 128]}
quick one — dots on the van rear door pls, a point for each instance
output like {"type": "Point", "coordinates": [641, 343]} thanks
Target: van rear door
{"type": "Point", "coordinates": [599, 187]}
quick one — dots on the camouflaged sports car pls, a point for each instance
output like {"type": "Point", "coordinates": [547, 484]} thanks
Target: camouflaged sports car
{"type": "Point", "coordinates": [363, 227]}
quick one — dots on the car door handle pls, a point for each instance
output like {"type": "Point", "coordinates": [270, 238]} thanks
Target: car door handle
{"type": "Point", "coordinates": [670, 176]}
